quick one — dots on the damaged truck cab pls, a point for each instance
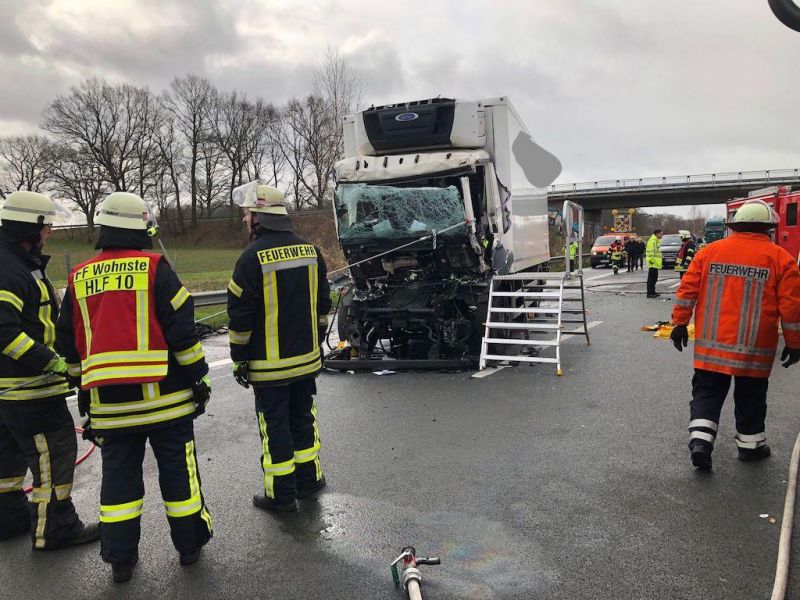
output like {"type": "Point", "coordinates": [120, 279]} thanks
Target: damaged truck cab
{"type": "Point", "coordinates": [435, 196]}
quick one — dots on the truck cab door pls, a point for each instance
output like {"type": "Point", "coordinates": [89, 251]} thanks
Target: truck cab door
{"type": "Point", "coordinates": [787, 233]}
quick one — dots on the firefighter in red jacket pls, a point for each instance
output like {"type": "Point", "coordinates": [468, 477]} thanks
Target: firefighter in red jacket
{"type": "Point", "coordinates": [127, 332]}
{"type": "Point", "coordinates": [739, 288]}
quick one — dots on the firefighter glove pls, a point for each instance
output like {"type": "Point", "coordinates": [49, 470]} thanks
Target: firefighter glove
{"type": "Point", "coordinates": [83, 402]}
{"type": "Point", "coordinates": [202, 394]}
{"type": "Point", "coordinates": [240, 373]}
{"type": "Point", "coordinates": [680, 337]}
{"type": "Point", "coordinates": [792, 354]}
{"type": "Point", "coordinates": [57, 365]}
{"type": "Point", "coordinates": [90, 436]}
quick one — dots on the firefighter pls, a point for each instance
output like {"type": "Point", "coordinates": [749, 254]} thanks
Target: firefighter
{"type": "Point", "coordinates": [653, 258]}
{"type": "Point", "coordinates": [685, 253]}
{"type": "Point", "coordinates": [617, 255]}
{"type": "Point", "coordinates": [127, 331]}
{"type": "Point", "coordinates": [738, 288]}
{"type": "Point", "coordinates": [278, 302]}
{"type": "Point", "coordinates": [36, 428]}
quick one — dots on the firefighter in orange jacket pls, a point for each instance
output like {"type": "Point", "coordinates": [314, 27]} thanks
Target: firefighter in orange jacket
{"type": "Point", "coordinates": [127, 332]}
{"type": "Point", "coordinates": [738, 287]}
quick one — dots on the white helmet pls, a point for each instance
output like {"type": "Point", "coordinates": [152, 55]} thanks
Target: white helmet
{"type": "Point", "coordinates": [685, 235]}
{"type": "Point", "coordinates": [125, 211]}
{"type": "Point", "coordinates": [756, 212]}
{"type": "Point", "coordinates": [29, 207]}
{"type": "Point", "coordinates": [261, 198]}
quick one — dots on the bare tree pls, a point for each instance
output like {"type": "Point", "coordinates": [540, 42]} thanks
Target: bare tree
{"type": "Point", "coordinates": [114, 124]}
{"type": "Point", "coordinates": [26, 163]}
{"type": "Point", "coordinates": [170, 166]}
{"type": "Point", "coordinates": [190, 101]}
{"type": "Point", "coordinates": [75, 177]}
{"type": "Point", "coordinates": [340, 88]}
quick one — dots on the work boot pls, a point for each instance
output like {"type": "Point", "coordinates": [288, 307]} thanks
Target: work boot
{"type": "Point", "coordinates": [123, 571]}
{"type": "Point", "coordinates": [311, 490]}
{"type": "Point", "coordinates": [191, 557]}
{"type": "Point", "coordinates": [652, 295]}
{"type": "Point", "coordinates": [89, 533]}
{"type": "Point", "coordinates": [701, 455]}
{"type": "Point", "coordinates": [261, 501]}
{"type": "Point", "coordinates": [750, 454]}
{"type": "Point", "coordinates": [22, 527]}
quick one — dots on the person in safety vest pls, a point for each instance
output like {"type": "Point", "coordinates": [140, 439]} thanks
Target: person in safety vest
{"type": "Point", "coordinates": [652, 256]}
{"type": "Point", "coordinates": [127, 331]}
{"type": "Point", "coordinates": [278, 303]}
{"type": "Point", "coordinates": [573, 255]}
{"type": "Point", "coordinates": [685, 253]}
{"type": "Point", "coordinates": [738, 288]}
{"type": "Point", "coordinates": [617, 255]}
{"type": "Point", "coordinates": [36, 427]}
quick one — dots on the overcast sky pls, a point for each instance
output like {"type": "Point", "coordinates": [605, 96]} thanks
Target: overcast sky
{"type": "Point", "coordinates": [614, 88]}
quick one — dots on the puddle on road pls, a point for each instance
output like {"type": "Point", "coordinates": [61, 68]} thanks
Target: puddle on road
{"type": "Point", "coordinates": [481, 558]}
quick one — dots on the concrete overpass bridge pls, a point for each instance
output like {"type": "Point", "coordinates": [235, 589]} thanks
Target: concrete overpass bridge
{"type": "Point", "coordinates": [646, 192]}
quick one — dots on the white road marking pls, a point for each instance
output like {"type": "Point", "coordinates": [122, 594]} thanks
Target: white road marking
{"type": "Point", "coordinates": [596, 277]}
{"type": "Point", "coordinates": [487, 371]}
{"type": "Point", "coordinates": [593, 324]}
{"type": "Point", "coordinates": [219, 363]}
{"type": "Point", "coordinates": [676, 284]}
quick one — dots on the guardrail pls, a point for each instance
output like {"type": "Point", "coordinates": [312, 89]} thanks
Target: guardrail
{"type": "Point", "coordinates": [210, 298]}
{"type": "Point", "coordinates": [679, 182]}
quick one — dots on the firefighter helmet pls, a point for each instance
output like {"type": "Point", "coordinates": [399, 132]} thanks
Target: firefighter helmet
{"type": "Point", "coordinates": [260, 198]}
{"type": "Point", "coordinates": [28, 207]}
{"type": "Point", "coordinates": [685, 235]}
{"type": "Point", "coordinates": [755, 212]}
{"type": "Point", "coordinates": [126, 211]}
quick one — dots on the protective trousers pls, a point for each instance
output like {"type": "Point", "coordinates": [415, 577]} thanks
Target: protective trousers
{"type": "Point", "coordinates": [652, 278]}
{"type": "Point", "coordinates": [290, 443]}
{"type": "Point", "coordinates": [709, 390]}
{"type": "Point", "coordinates": [39, 437]}
{"type": "Point", "coordinates": [122, 490]}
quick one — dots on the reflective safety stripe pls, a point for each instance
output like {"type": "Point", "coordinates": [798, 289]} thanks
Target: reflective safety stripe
{"type": "Point", "coordinates": [703, 423]}
{"type": "Point", "coordinates": [12, 299]}
{"type": "Point", "coordinates": [240, 338]}
{"type": "Point", "coordinates": [719, 288]}
{"type": "Point", "coordinates": [307, 455]}
{"type": "Point", "coordinates": [142, 320]}
{"type": "Point", "coordinates": [74, 369]}
{"type": "Point", "coordinates": [18, 346]}
{"type": "Point", "coordinates": [109, 358]}
{"type": "Point", "coordinates": [254, 375]}
{"type": "Point", "coordinates": [685, 302]}
{"type": "Point", "coordinates": [754, 437]}
{"type": "Point", "coordinates": [790, 326]}
{"type": "Point", "coordinates": [278, 469]}
{"type": "Point", "coordinates": [145, 419]}
{"type": "Point", "coordinates": [755, 324]}
{"type": "Point", "coordinates": [288, 264]}
{"type": "Point", "coordinates": [317, 443]}
{"type": "Point", "coordinates": [178, 300]}
{"type": "Point", "coordinates": [747, 350]}
{"type": "Point", "coordinates": [235, 289]}
{"type": "Point", "coordinates": [112, 408]}
{"type": "Point", "coordinates": [132, 372]}
{"type": "Point", "coordinates": [11, 484]}
{"type": "Point", "coordinates": [738, 364]}
{"type": "Point", "coordinates": [284, 362]}
{"type": "Point", "coordinates": [266, 457]}
{"type": "Point", "coordinates": [64, 491]}
{"type": "Point", "coordinates": [271, 315]}
{"type": "Point", "coordinates": [45, 315]}
{"type": "Point", "coordinates": [702, 435]}
{"type": "Point", "coordinates": [87, 329]}
{"type": "Point", "coordinates": [41, 494]}
{"type": "Point", "coordinates": [116, 513]}
{"type": "Point", "coordinates": [191, 355]}
{"type": "Point", "coordinates": [47, 391]}
{"type": "Point", "coordinates": [185, 508]}
{"type": "Point", "coordinates": [313, 282]}
{"type": "Point", "coordinates": [44, 482]}
{"type": "Point", "coordinates": [323, 320]}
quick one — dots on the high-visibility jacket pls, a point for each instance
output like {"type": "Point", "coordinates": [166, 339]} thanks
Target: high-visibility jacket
{"type": "Point", "coordinates": [616, 253]}
{"type": "Point", "coordinates": [127, 329]}
{"type": "Point", "coordinates": [28, 311]}
{"type": "Point", "coordinates": [278, 298]}
{"type": "Point", "coordinates": [573, 250]}
{"type": "Point", "coordinates": [738, 288]}
{"type": "Point", "coordinates": [685, 256]}
{"type": "Point", "coordinates": [118, 336]}
{"type": "Point", "coordinates": [652, 253]}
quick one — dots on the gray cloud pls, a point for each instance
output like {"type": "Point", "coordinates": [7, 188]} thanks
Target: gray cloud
{"type": "Point", "coordinates": [613, 88]}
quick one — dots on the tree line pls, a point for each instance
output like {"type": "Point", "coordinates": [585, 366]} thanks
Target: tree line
{"type": "Point", "coordinates": [186, 148]}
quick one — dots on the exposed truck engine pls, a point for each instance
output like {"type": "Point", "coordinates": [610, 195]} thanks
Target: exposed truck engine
{"type": "Point", "coordinates": [432, 199]}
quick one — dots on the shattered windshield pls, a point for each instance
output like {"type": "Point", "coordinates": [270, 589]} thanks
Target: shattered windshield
{"type": "Point", "coordinates": [366, 212]}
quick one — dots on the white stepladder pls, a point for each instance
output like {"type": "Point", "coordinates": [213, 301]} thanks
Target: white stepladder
{"type": "Point", "coordinates": [535, 310]}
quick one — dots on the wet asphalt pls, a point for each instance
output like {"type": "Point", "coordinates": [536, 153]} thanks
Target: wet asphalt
{"type": "Point", "coordinates": [527, 485]}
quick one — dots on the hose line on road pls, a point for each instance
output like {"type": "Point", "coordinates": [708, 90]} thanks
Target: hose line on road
{"type": "Point", "coordinates": [784, 546]}
{"type": "Point", "coordinates": [80, 459]}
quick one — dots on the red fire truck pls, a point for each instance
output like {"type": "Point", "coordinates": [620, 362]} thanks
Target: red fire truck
{"type": "Point", "coordinates": [784, 202]}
